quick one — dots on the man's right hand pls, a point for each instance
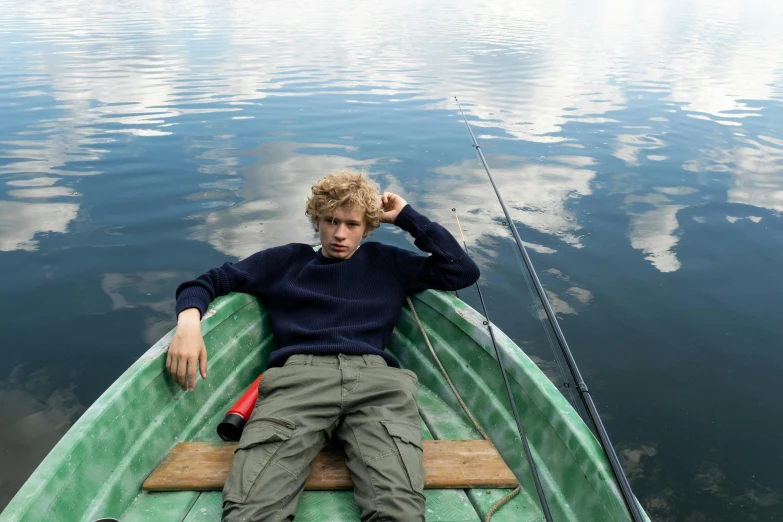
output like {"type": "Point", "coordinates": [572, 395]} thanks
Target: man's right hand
{"type": "Point", "coordinates": [187, 350]}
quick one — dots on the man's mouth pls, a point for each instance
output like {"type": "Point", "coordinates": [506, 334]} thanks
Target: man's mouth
{"type": "Point", "coordinates": [339, 247]}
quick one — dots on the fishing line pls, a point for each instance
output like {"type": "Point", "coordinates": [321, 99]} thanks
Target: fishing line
{"type": "Point", "coordinates": [525, 445]}
{"type": "Point", "coordinates": [622, 480]}
{"type": "Point", "coordinates": [541, 315]}
{"type": "Point", "coordinates": [539, 311]}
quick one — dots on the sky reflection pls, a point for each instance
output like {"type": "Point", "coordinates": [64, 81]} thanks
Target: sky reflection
{"type": "Point", "coordinates": [538, 193]}
{"type": "Point", "coordinates": [140, 86]}
{"type": "Point", "coordinates": [755, 166]}
{"type": "Point", "coordinates": [637, 144]}
{"type": "Point", "coordinates": [21, 222]}
{"type": "Point", "coordinates": [273, 196]}
{"type": "Point", "coordinates": [34, 416]}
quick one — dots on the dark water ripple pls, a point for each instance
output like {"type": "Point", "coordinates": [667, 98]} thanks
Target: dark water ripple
{"type": "Point", "coordinates": [639, 144]}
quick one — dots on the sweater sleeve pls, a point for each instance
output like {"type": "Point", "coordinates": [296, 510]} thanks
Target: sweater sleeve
{"type": "Point", "coordinates": [447, 268]}
{"type": "Point", "coordinates": [251, 275]}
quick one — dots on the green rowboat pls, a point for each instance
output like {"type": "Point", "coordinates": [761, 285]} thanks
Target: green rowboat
{"type": "Point", "coordinates": [98, 467]}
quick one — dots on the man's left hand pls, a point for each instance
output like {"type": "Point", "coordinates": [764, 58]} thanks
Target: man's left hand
{"type": "Point", "coordinates": [391, 204]}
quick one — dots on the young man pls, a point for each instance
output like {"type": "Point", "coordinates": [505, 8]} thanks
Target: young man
{"type": "Point", "coordinates": [332, 313]}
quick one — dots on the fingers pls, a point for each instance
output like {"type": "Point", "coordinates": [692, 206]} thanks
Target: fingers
{"type": "Point", "coordinates": [183, 370]}
{"type": "Point", "coordinates": [176, 366]}
{"type": "Point", "coordinates": [202, 362]}
{"type": "Point", "coordinates": [390, 200]}
{"type": "Point", "coordinates": [171, 366]}
{"type": "Point", "coordinates": [174, 369]}
{"type": "Point", "coordinates": [182, 366]}
{"type": "Point", "coordinates": [191, 374]}
{"type": "Point", "coordinates": [186, 353]}
{"type": "Point", "coordinates": [391, 205]}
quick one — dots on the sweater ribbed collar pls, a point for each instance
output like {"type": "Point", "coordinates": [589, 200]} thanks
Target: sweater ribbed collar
{"type": "Point", "coordinates": [329, 261]}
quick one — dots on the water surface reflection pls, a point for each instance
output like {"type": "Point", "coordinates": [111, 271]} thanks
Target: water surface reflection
{"type": "Point", "coordinates": [639, 146]}
{"type": "Point", "coordinates": [271, 202]}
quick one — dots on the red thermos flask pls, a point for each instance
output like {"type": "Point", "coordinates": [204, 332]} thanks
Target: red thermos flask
{"type": "Point", "coordinates": [236, 418]}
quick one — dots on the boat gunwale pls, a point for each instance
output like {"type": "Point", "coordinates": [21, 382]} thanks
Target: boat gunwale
{"type": "Point", "coordinates": [219, 311]}
{"type": "Point", "coordinates": [548, 392]}
{"type": "Point", "coordinates": [555, 410]}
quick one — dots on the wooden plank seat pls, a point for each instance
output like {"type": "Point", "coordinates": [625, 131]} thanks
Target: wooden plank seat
{"type": "Point", "coordinates": [456, 464]}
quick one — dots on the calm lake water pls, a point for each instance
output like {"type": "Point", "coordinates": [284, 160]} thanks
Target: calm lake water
{"type": "Point", "coordinates": [638, 144]}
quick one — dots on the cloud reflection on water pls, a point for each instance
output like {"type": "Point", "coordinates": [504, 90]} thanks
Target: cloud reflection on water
{"type": "Point", "coordinates": [549, 85]}
{"type": "Point", "coordinates": [654, 231]}
{"type": "Point", "coordinates": [629, 147]}
{"type": "Point", "coordinates": [145, 290]}
{"type": "Point", "coordinates": [34, 416]}
{"type": "Point", "coordinates": [273, 196]}
{"type": "Point", "coordinates": [509, 66]}
{"type": "Point", "coordinates": [538, 195]}
{"type": "Point", "coordinates": [20, 222]}
{"type": "Point", "coordinates": [755, 165]}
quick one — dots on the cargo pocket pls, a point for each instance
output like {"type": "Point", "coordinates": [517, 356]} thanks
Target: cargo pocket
{"type": "Point", "coordinates": [407, 438]}
{"type": "Point", "coordinates": [260, 441]}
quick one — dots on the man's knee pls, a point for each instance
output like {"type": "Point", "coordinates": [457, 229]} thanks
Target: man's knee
{"type": "Point", "coordinates": [395, 476]}
{"type": "Point", "coordinates": [266, 474]}
{"type": "Point", "coordinates": [271, 494]}
{"type": "Point", "coordinates": [251, 512]}
{"type": "Point", "coordinates": [398, 505]}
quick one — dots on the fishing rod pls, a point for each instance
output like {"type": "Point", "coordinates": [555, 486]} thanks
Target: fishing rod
{"type": "Point", "coordinates": [584, 393]}
{"type": "Point", "coordinates": [525, 445]}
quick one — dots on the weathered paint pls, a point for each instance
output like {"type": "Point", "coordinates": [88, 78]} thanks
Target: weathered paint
{"type": "Point", "coordinates": [96, 470]}
{"type": "Point", "coordinates": [577, 477]}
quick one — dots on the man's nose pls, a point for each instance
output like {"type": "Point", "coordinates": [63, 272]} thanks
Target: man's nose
{"type": "Point", "coordinates": [339, 232]}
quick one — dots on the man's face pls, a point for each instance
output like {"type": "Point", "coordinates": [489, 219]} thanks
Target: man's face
{"type": "Point", "coordinates": [342, 232]}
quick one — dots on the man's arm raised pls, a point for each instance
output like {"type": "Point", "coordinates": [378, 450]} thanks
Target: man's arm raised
{"type": "Point", "coordinates": [448, 268]}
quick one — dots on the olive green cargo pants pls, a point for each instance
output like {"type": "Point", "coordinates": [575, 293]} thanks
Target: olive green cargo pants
{"type": "Point", "coordinates": [368, 406]}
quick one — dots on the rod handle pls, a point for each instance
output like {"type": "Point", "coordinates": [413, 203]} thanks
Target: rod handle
{"type": "Point", "coordinates": [236, 417]}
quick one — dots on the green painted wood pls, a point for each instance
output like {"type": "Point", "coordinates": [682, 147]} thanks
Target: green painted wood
{"type": "Point", "coordinates": [97, 468]}
{"type": "Point", "coordinates": [207, 508]}
{"type": "Point", "coordinates": [444, 504]}
{"type": "Point", "coordinates": [574, 470]}
{"type": "Point", "coordinates": [160, 506]}
{"type": "Point", "coordinates": [446, 423]}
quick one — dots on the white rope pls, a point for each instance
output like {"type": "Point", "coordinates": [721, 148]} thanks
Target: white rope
{"type": "Point", "coordinates": [511, 495]}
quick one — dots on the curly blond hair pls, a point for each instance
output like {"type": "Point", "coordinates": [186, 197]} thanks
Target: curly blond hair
{"type": "Point", "coordinates": [345, 188]}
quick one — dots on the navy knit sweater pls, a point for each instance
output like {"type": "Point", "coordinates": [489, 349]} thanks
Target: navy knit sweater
{"type": "Point", "coordinates": [324, 306]}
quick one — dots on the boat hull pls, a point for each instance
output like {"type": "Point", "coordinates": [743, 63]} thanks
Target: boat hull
{"type": "Point", "coordinates": [97, 468]}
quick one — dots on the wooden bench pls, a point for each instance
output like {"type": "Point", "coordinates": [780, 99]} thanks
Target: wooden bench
{"type": "Point", "coordinates": [455, 464]}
